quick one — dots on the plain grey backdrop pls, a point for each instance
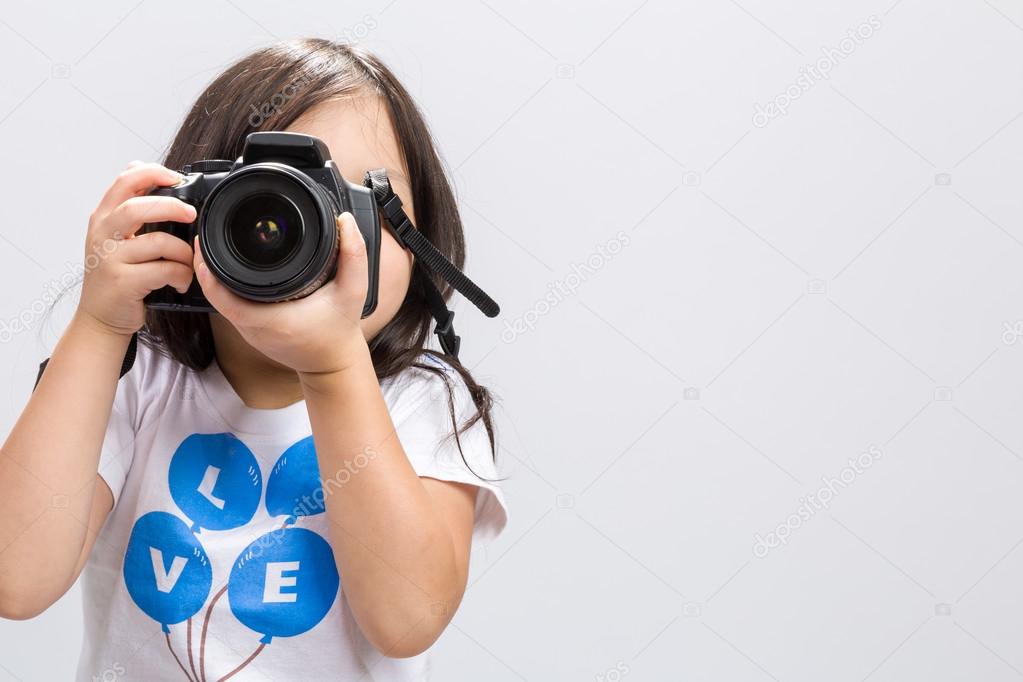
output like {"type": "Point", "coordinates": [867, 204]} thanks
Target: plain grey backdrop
{"type": "Point", "coordinates": [760, 359]}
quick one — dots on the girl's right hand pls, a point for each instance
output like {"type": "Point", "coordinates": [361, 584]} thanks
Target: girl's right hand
{"type": "Point", "coordinates": [121, 268]}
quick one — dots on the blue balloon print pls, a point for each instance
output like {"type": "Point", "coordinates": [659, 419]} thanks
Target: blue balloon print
{"type": "Point", "coordinates": [215, 480]}
{"type": "Point", "coordinates": [293, 487]}
{"type": "Point", "coordinates": [283, 583]}
{"type": "Point", "coordinates": [166, 570]}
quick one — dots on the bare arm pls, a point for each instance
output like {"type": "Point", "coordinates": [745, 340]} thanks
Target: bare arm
{"type": "Point", "coordinates": [401, 542]}
{"type": "Point", "coordinates": [48, 470]}
{"type": "Point", "coordinates": [52, 502]}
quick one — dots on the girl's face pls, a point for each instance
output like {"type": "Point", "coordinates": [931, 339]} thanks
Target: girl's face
{"type": "Point", "coordinates": [358, 133]}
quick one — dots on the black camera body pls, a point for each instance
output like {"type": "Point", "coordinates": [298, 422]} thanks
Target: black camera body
{"type": "Point", "coordinates": [266, 222]}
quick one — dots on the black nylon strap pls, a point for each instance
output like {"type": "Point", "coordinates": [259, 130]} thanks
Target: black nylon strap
{"type": "Point", "coordinates": [129, 355]}
{"type": "Point", "coordinates": [444, 329]}
{"type": "Point", "coordinates": [425, 252]}
{"type": "Point", "coordinates": [428, 259]}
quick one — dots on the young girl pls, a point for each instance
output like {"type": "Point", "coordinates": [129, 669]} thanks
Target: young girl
{"type": "Point", "coordinates": [275, 490]}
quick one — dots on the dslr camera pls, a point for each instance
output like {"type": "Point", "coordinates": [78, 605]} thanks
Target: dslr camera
{"type": "Point", "coordinates": [266, 221]}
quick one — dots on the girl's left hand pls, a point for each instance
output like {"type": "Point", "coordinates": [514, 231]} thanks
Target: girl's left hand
{"type": "Point", "coordinates": [317, 334]}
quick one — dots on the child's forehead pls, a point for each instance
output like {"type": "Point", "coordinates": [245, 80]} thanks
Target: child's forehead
{"type": "Point", "coordinates": [358, 131]}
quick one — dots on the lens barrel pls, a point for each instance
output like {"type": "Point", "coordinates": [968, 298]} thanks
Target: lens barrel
{"type": "Point", "coordinates": [268, 232]}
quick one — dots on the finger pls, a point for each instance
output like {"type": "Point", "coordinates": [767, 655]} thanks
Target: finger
{"type": "Point", "coordinates": [154, 246]}
{"type": "Point", "coordinates": [134, 213]}
{"type": "Point", "coordinates": [155, 274]}
{"type": "Point", "coordinates": [352, 280]}
{"type": "Point", "coordinates": [230, 305]}
{"type": "Point", "coordinates": [138, 179]}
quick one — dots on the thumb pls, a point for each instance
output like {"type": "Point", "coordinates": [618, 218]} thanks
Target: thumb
{"type": "Point", "coordinates": [225, 302]}
{"type": "Point", "coordinates": [352, 279]}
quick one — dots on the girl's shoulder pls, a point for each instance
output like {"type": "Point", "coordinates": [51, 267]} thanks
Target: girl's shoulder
{"type": "Point", "coordinates": [431, 363]}
{"type": "Point", "coordinates": [429, 373]}
{"type": "Point", "coordinates": [152, 378]}
{"type": "Point", "coordinates": [430, 402]}
{"type": "Point", "coordinates": [429, 381]}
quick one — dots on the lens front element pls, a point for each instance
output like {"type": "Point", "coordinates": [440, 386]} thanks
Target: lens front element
{"type": "Point", "coordinates": [264, 230]}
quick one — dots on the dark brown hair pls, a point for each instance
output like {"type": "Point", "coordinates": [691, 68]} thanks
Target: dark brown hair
{"type": "Point", "coordinates": [268, 90]}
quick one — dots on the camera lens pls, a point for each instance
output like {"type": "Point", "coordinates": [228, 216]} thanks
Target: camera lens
{"type": "Point", "coordinates": [267, 232]}
{"type": "Point", "coordinates": [264, 230]}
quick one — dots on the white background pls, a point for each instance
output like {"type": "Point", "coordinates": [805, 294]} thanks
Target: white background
{"type": "Point", "coordinates": [846, 276]}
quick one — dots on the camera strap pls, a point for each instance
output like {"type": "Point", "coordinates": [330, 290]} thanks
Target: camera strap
{"type": "Point", "coordinates": [428, 259]}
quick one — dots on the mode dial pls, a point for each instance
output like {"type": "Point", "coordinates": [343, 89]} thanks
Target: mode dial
{"type": "Point", "coordinates": [210, 166]}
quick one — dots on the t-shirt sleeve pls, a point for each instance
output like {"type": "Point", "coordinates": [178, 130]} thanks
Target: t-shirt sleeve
{"type": "Point", "coordinates": [118, 448]}
{"type": "Point", "coordinates": [422, 419]}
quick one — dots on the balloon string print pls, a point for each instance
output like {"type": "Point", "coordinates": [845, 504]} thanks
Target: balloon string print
{"type": "Point", "coordinates": [248, 660]}
{"type": "Point", "coordinates": [167, 635]}
{"type": "Point", "coordinates": [205, 628]}
{"type": "Point", "coordinates": [191, 660]}
{"type": "Point", "coordinates": [281, 585]}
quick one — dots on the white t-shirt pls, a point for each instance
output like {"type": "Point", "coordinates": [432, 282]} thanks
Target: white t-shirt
{"type": "Point", "coordinates": [216, 555]}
